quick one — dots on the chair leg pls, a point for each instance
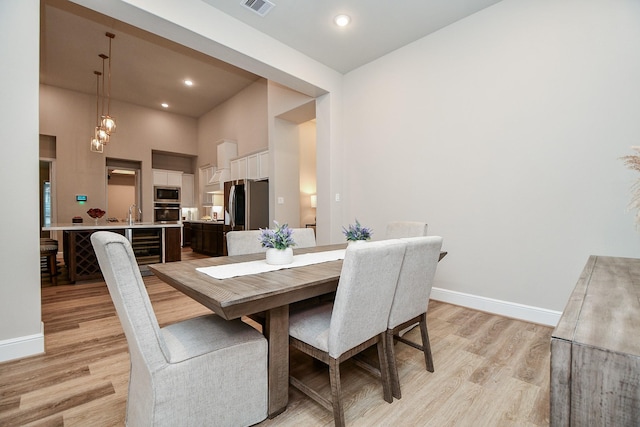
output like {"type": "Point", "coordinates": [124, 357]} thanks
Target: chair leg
{"type": "Point", "coordinates": [426, 345]}
{"type": "Point", "coordinates": [384, 367]}
{"type": "Point", "coordinates": [393, 366]}
{"type": "Point", "coordinates": [336, 393]}
{"type": "Point", "coordinates": [53, 270]}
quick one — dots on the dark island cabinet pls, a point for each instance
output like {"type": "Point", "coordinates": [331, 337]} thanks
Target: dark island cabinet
{"type": "Point", "coordinates": [173, 252]}
{"type": "Point", "coordinates": [207, 239]}
{"type": "Point", "coordinates": [79, 256]}
{"type": "Point", "coordinates": [186, 234]}
{"type": "Point", "coordinates": [150, 245]}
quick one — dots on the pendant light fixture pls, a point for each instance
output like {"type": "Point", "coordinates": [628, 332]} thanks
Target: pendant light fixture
{"type": "Point", "coordinates": [96, 145]}
{"type": "Point", "coordinates": [101, 133]}
{"type": "Point", "coordinates": [108, 123]}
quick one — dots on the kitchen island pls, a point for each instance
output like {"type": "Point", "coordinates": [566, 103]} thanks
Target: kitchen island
{"type": "Point", "coordinates": [208, 237]}
{"type": "Point", "coordinates": [152, 243]}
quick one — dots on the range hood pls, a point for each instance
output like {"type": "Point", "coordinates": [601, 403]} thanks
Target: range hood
{"type": "Point", "coordinates": [216, 183]}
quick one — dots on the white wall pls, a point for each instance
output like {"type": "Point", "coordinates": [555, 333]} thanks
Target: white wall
{"type": "Point", "coordinates": [242, 119]}
{"type": "Point", "coordinates": [504, 131]}
{"type": "Point", "coordinates": [21, 331]}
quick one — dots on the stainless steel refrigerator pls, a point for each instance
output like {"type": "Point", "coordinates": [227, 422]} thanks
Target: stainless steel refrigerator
{"type": "Point", "coordinates": [246, 204]}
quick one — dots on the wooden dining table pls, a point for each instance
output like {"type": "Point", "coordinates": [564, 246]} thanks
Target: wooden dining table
{"type": "Point", "coordinates": [270, 292]}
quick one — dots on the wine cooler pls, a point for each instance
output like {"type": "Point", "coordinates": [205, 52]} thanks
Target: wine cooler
{"type": "Point", "coordinates": [147, 245]}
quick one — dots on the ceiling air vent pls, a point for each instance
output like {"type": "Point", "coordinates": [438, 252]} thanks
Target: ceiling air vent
{"type": "Point", "coordinates": [261, 7]}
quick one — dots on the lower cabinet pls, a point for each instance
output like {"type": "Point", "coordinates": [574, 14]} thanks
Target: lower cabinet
{"type": "Point", "coordinates": [79, 256]}
{"type": "Point", "coordinates": [172, 248]}
{"type": "Point", "coordinates": [146, 243]}
{"type": "Point", "coordinates": [207, 239]}
{"type": "Point", "coordinates": [186, 234]}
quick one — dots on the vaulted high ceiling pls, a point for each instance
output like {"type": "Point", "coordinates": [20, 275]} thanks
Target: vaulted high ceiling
{"type": "Point", "coordinates": [148, 70]}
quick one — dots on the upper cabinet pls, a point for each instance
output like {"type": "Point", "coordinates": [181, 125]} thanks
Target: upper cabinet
{"type": "Point", "coordinates": [167, 178]}
{"type": "Point", "coordinates": [239, 168]}
{"type": "Point", "coordinates": [188, 193]}
{"type": "Point", "coordinates": [206, 174]}
{"type": "Point", "coordinates": [263, 165]}
{"type": "Point", "coordinates": [253, 166]}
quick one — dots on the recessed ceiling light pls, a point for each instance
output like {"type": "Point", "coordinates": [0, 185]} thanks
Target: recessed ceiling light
{"type": "Point", "coordinates": [188, 82]}
{"type": "Point", "coordinates": [342, 20]}
{"type": "Point", "coordinates": [165, 105]}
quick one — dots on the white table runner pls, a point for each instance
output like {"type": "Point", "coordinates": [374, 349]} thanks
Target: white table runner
{"type": "Point", "coordinates": [255, 267]}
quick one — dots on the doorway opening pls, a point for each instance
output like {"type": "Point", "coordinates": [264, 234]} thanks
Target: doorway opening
{"type": "Point", "coordinates": [123, 189]}
{"type": "Point", "coordinates": [46, 181]}
{"type": "Point", "coordinates": [296, 150]}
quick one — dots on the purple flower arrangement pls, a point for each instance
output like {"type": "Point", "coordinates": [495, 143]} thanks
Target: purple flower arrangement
{"type": "Point", "coordinates": [357, 232]}
{"type": "Point", "coordinates": [278, 238]}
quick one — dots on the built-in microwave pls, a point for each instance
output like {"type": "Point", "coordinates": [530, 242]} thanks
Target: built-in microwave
{"type": "Point", "coordinates": [166, 194]}
{"type": "Point", "coordinates": [166, 212]}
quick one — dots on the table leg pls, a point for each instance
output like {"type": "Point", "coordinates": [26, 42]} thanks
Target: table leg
{"type": "Point", "coordinates": [277, 333]}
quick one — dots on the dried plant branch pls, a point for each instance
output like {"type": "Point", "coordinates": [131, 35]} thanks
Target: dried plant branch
{"type": "Point", "coordinates": [633, 162]}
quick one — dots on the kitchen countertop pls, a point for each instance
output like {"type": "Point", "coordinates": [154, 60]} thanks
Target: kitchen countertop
{"type": "Point", "coordinates": [205, 221]}
{"type": "Point", "coordinates": [103, 225]}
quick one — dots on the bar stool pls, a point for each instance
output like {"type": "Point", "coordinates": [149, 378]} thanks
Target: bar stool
{"type": "Point", "coordinates": [49, 250]}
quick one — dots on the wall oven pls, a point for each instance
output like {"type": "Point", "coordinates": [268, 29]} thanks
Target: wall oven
{"type": "Point", "coordinates": [166, 212]}
{"type": "Point", "coordinates": [166, 194]}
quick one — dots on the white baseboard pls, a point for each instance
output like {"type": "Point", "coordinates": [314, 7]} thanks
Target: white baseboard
{"type": "Point", "coordinates": [503, 308]}
{"type": "Point", "coordinates": [17, 348]}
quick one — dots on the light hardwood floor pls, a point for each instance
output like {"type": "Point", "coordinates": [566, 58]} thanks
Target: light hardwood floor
{"type": "Point", "coordinates": [489, 370]}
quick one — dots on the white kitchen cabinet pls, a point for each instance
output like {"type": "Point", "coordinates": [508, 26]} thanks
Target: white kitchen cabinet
{"type": "Point", "coordinates": [174, 179]}
{"type": "Point", "coordinates": [239, 168]}
{"type": "Point", "coordinates": [188, 187]}
{"type": "Point", "coordinates": [258, 165]}
{"type": "Point", "coordinates": [206, 174]}
{"type": "Point", "coordinates": [253, 166]}
{"type": "Point", "coordinates": [159, 177]}
{"type": "Point", "coordinates": [263, 165]}
{"type": "Point", "coordinates": [167, 178]}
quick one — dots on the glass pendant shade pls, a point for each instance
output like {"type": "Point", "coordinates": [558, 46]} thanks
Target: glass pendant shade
{"type": "Point", "coordinates": [96, 146]}
{"type": "Point", "coordinates": [101, 135]}
{"type": "Point", "coordinates": [108, 124]}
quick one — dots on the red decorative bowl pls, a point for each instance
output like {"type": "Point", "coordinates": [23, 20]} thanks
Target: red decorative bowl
{"type": "Point", "coordinates": [96, 213]}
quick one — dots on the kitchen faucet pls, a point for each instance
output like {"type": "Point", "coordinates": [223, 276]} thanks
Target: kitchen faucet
{"type": "Point", "coordinates": [131, 214]}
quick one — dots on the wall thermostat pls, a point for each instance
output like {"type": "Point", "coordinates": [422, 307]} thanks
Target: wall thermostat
{"type": "Point", "coordinates": [81, 197]}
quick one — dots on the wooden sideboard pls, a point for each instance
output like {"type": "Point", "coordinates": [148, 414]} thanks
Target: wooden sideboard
{"type": "Point", "coordinates": [595, 349]}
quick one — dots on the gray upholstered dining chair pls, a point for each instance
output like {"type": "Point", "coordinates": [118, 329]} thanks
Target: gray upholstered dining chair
{"type": "Point", "coordinates": [200, 371]}
{"type": "Point", "coordinates": [244, 242]}
{"type": "Point", "coordinates": [399, 229]}
{"type": "Point", "coordinates": [248, 241]}
{"type": "Point", "coordinates": [411, 300]}
{"type": "Point", "coordinates": [304, 237]}
{"type": "Point", "coordinates": [356, 320]}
